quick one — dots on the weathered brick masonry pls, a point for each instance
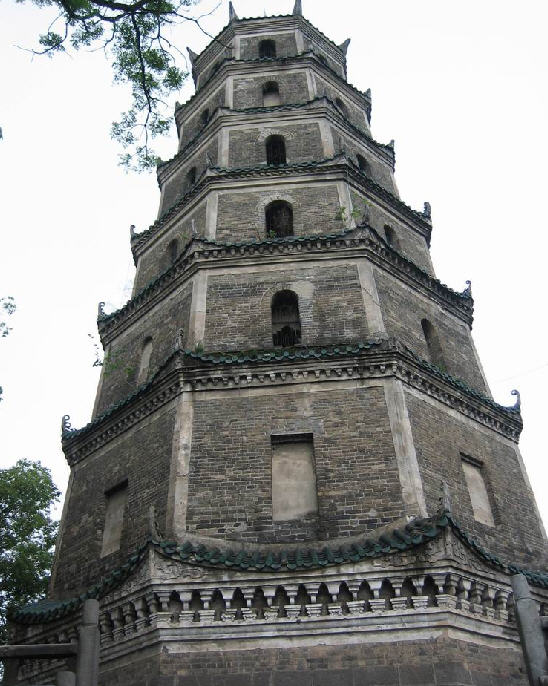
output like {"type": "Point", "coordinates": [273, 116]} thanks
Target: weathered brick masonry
{"type": "Point", "coordinates": [295, 474]}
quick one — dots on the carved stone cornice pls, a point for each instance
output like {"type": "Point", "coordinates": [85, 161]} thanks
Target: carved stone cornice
{"type": "Point", "coordinates": [373, 359]}
{"type": "Point", "coordinates": [360, 242]}
{"type": "Point", "coordinates": [218, 176]}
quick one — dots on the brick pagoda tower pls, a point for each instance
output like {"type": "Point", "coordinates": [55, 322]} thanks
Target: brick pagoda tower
{"type": "Point", "coordinates": [295, 473]}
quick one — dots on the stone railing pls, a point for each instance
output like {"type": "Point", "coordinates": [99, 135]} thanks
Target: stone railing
{"type": "Point", "coordinates": [305, 601]}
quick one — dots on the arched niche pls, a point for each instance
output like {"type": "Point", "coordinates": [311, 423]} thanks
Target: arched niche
{"type": "Point", "coordinates": [275, 150]}
{"type": "Point", "coordinates": [279, 219]}
{"type": "Point", "coordinates": [267, 49]}
{"type": "Point", "coordinates": [271, 94]}
{"type": "Point", "coordinates": [286, 321]}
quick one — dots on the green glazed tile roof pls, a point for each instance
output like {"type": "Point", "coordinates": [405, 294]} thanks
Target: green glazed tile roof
{"type": "Point", "coordinates": [386, 149]}
{"type": "Point", "coordinates": [278, 170]}
{"type": "Point", "coordinates": [281, 355]}
{"type": "Point", "coordinates": [464, 298]}
{"type": "Point", "coordinates": [50, 610]}
{"type": "Point", "coordinates": [309, 557]}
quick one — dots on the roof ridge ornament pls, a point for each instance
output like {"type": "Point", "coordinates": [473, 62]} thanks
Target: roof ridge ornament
{"type": "Point", "coordinates": [232, 16]}
{"type": "Point", "coordinates": [192, 55]}
{"type": "Point", "coordinates": [517, 405]}
{"type": "Point", "coordinates": [66, 426]}
{"type": "Point", "coordinates": [344, 46]}
{"type": "Point", "coordinates": [298, 8]}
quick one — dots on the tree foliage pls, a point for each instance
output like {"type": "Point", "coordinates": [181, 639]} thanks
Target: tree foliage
{"type": "Point", "coordinates": [136, 37]}
{"type": "Point", "coordinates": [7, 308]}
{"type": "Point", "coordinates": [27, 535]}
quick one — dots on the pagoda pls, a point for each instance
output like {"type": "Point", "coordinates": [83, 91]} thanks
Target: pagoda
{"type": "Point", "coordinates": [295, 473]}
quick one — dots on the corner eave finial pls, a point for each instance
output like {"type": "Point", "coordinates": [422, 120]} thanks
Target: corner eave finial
{"type": "Point", "coordinates": [180, 340]}
{"type": "Point", "coordinates": [192, 55]}
{"type": "Point", "coordinates": [427, 211]}
{"type": "Point", "coordinates": [232, 16]}
{"type": "Point", "coordinates": [468, 290]}
{"type": "Point", "coordinates": [344, 46]}
{"type": "Point", "coordinates": [298, 8]}
{"type": "Point", "coordinates": [517, 405]}
{"type": "Point", "coordinates": [132, 231]}
{"type": "Point", "coordinates": [101, 310]}
{"type": "Point", "coordinates": [65, 424]}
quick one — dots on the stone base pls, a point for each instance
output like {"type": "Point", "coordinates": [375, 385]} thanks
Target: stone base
{"type": "Point", "coordinates": [432, 662]}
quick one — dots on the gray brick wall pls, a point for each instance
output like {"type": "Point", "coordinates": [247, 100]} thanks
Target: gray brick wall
{"type": "Point", "coordinates": [193, 124]}
{"type": "Point", "coordinates": [412, 245]}
{"type": "Point", "coordinates": [142, 456]}
{"type": "Point", "coordinates": [241, 215]}
{"type": "Point", "coordinates": [230, 470]}
{"type": "Point", "coordinates": [177, 184]}
{"type": "Point", "coordinates": [404, 322]}
{"type": "Point", "coordinates": [248, 90]}
{"type": "Point", "coordinates": [156, 259]}
{"type": "Point", "coordinates": [438, 662]}
{"type": "Point", "coordinates": [380, 172]}
{"type": "Point", "coordinates": [303, 143]}
{"type": "Point", "coordinates": [121, 368]}
{"type": "Point", "coordinates": [355, 114]}
{"type": "Point", "coordinates": [285, 45]}
{"type": "Point", "coordinates": [239, 315]}
{"type": "Point", "coordinates": [517, 536]}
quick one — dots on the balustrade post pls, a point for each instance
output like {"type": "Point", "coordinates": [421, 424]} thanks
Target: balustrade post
{"type": "Point", "coordinates": [530, 629]}
{"type": "Point", "coordinates": [87, 663]}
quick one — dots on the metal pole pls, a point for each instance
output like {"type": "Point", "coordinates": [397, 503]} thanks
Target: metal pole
{"type": "Point", "coordinates": [530, 629]}
{"type": "Point", "coordinates": [87, 663]}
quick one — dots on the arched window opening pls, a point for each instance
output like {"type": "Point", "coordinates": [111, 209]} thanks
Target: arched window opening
{"type": "Point", "coordinates": [275, 150]}
{"type": "Point", "coordinates": [173, 250]}
{"type": "Point", "coordinates": [363, 164]}
{"type": "Point", "coordinates": [271, 94]}
{"type": "Point", "coordinates": [286, 322]}
{"type": "Point", "coordinates": [204, 117]}
{"type": "Point", "coordinates": [144, 364]}
{"type": "Point", "coordinates": [391, 237]}
{"type": "Point", "coordinates": [279, 219]}
{"type": "Point", "coordinates": [267, 48]}
{"type": "Point", "coordinates": [435, 352]}
{"type": "Point", "coordinates": [190, 178]}
{"type": "Point", "coordinates": [341, 106]}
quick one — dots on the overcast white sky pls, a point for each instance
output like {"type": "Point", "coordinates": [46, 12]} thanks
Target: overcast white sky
{"type": "Point", "coordinates": [460, 86]}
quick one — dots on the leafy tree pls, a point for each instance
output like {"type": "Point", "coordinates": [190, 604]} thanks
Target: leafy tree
{"type": "Point", "coordinates": [27, 535]}
{"type": "Point", "coordinates": [135, 34]}
{"type": "Point", "coordinates": [7, 307]}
